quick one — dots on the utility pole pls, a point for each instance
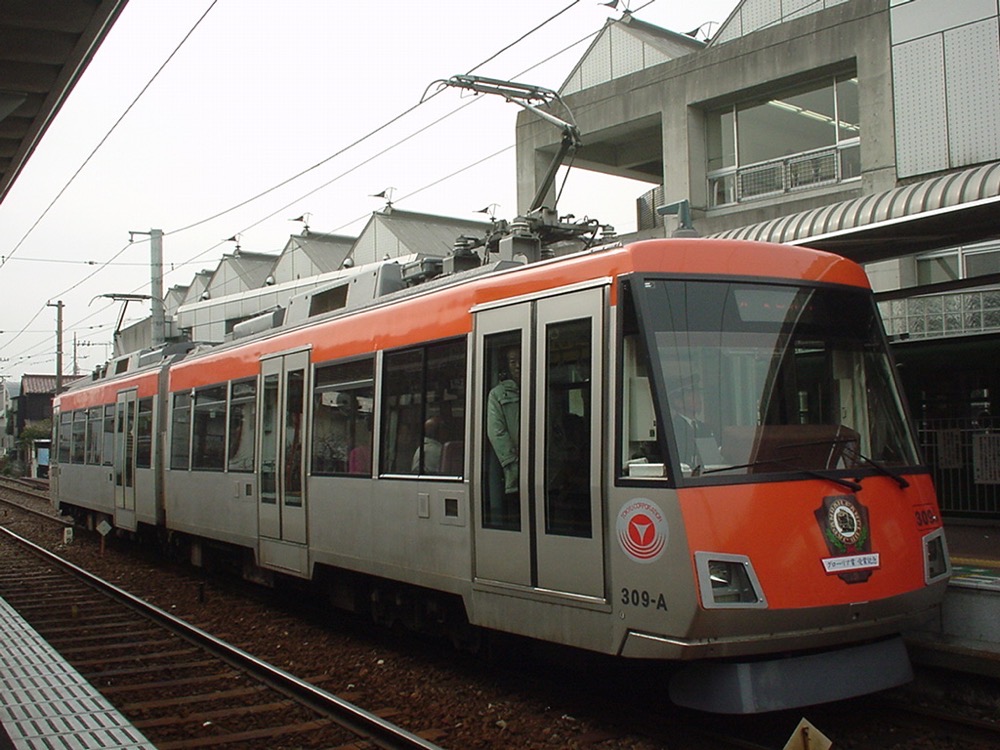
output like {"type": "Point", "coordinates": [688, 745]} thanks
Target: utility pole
{"type": "Point", "coordinates": [155, 284]}
{"type": "Point", "coordinates": [59, 342]}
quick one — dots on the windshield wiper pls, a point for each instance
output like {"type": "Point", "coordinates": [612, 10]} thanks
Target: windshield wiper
{"type": "Point", "coordinates": [849, 484]}
{"type": "Point", "coordinates": [880, 468]}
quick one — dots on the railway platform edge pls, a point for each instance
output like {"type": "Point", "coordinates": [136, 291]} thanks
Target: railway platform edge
{"type": "Point", "coordinates": [966, 635]}
{"type": "Point", "coordinates": [46, 703]}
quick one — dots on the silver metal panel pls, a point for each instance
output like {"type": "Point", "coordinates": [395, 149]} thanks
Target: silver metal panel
{"type": "Point", "coordinates": [760, 13]}
{"type": "Point", "coordinates": [920, 108]}
{"type": "Point", "coordinates": [731, 29]}
{"type": "Point", "coordinates": [596, 69]}
{"type": "Point", "coordinates": [626, 52]}
{"type": "Point", "coordinates": [210, 504]}
{"type": "Point", "coordinates": [45, 703]}
{"type": "Point", "coordinates": [921, 18]}
{"type": "Point", "coordinates": [972, 74]}
{"type": "Point", "coordinates": [573, 84]}
{"type": "Point", "coordinates": [795, 8]}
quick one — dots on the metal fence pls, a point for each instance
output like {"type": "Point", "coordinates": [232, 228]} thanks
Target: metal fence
{"type": "Point", "coordinates": [807, 170]}
{"type": "Point", "coordinates": [964, 456]}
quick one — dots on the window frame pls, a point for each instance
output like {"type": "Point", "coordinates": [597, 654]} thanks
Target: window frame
{"type": "Point", "coordinates": [349, 381]}
{"type": "Point", "coordinates": [396, 461]}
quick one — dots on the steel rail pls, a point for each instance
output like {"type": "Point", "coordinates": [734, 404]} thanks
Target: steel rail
{"type": "Point", "coordinates": [362, 723]}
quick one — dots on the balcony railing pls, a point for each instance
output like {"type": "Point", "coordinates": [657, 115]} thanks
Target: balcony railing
{"type": "Point", "coordinates": [797, 172]}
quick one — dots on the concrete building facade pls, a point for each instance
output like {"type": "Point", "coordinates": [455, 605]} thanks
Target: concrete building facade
{"type": "Point", "coordinates": [867, 127]}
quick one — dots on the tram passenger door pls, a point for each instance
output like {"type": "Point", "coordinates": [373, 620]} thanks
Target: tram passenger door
{"type": "Point", "coordinates": [539, 449]}
{"type": "Point", "coordinates": [123, 462]}
{"type": "Point", "coordinates": [282, 467]}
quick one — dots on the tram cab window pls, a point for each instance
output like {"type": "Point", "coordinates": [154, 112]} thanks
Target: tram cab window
{"type": "Point", "coordinates": [778, 378]}
{"type": "Point", "coordinates": [241, 438]}
{"type": "Point", "coordinates": [641, 453]}
{"type": "Point", "coordinates": [180, 432]}
{"type": "Point", "coordinates": [343, 397]}
{"type": "Point", "coordinates": [423, 414]}
{"type": "Point", "coordinates": [144, 434]}
{"type": "Point", "coordinates": [208, 447]}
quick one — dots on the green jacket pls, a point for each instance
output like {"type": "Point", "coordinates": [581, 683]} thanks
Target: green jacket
{"type": "Point", "coordinates": [503, 427]}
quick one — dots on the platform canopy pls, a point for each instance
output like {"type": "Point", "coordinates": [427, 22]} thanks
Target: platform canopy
{"type": "Point", "coordinates": [945, 211]}
{"type": "Point", "coordinates": [45, 45]}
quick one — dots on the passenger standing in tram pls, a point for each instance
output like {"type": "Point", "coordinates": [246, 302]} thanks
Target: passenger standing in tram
{"type": "Point", "coordinates": [503, 422]}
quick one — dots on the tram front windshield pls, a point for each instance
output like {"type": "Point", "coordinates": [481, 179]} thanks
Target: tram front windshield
{"type": "Point", "coordinates": [762, 379]}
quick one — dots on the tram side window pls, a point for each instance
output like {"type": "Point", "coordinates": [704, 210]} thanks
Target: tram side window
{"type": "Point", "coordinates": [342, 419]}
{"type": "Point", "coordinates": [95, 438]}
{"type": "Point", "coordinates": [423, 417]}
{"type": "Point", "coordinates": [108, 434]}
{"type": "Point", "coordinates": [144, 434]}
{"type": "Point", "coordinates": [209, 442]}
{"type": "Point", "coordinates": [65, 436]}
{"type": "Point", "coordinates": [242, 425]}
{"type": "Point", "coordinates": [78, 450]}
{"type": "Point", "coordinates": [180, 432]}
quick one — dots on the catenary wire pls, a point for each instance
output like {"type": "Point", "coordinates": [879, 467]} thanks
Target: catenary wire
{"type": "Point", "coordinates": [339, 152]}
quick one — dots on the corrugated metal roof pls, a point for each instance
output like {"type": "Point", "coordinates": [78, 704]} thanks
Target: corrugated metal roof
{"type": "Point", "coordinates": [326, 251]}
{"type": "Point", "coordinates": [972, 188]}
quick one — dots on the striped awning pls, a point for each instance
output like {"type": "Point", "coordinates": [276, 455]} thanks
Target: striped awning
{"type": "Point", "coordinates": [953, 209]}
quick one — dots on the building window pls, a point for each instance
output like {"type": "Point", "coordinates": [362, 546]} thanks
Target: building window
{"type": "Point", "coordinates": [958, 263]}
{"type": "Point", "coordinates": [423, 415]}
{"type": "Point", "coordinates": [342, 419]}
{"type": "Point", "coordinates": [797, 139]}
{"type": "Point", "coordinates": [970, 311]}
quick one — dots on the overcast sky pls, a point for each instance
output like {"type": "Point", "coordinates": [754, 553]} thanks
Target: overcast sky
{"type": "Point", "coordinates": [257, 93]}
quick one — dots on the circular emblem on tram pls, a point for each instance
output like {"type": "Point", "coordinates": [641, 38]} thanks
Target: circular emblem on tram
{"type": "Point", "coordinates": [642, 530]}
{"type": "Point", "coordinates": [844, 520]}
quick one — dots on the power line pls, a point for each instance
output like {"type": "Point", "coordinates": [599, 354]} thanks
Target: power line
{"type": "Point", "coordinates": [107, 135]}
{"type": "Point", "coordinates": [290, 179]}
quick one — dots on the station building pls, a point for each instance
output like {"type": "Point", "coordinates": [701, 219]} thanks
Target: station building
{"type": "Point", "coordinates": [865, 127]}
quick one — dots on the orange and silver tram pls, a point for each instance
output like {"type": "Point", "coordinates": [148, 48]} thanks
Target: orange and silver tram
{"type": "Point", "coordinates": [683, 449]}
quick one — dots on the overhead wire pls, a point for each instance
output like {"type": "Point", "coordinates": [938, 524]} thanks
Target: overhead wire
{"type": "Point", "coordinates": [4, 259]}
{"type": "Point", "coordinates": [303, 172]}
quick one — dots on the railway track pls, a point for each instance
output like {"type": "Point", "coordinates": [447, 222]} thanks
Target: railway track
{"type": "Point", "coordinates": [179, 685]}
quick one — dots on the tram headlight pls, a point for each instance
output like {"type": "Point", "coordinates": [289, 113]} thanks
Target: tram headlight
{"type": "Point", "coordinates": [936, 565]}
{"type": "Point", "coordinates": [727, 581]}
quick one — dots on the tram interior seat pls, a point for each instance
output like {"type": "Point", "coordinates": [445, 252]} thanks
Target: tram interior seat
{"type": "Point", "coordinates": [453, 458]}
